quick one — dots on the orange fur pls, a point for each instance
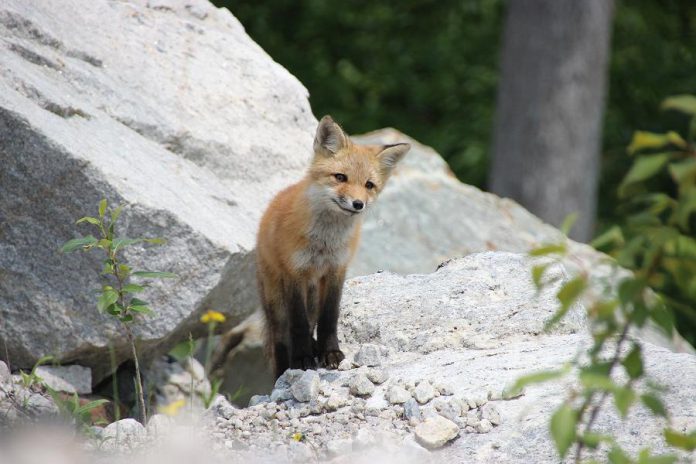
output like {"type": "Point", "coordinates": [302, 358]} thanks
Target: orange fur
{"type": "Point", "coordinates": [307, 237]}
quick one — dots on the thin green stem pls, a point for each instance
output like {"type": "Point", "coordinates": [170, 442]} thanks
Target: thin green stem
{"type": "Point", "coordinates": [139, 382]}
{"type": "Point", "coordinates": [131, 338]}
{"type": "Point", "coordinates": [209, 348]}
{"type": "Point", "coordinates": [597, 407]}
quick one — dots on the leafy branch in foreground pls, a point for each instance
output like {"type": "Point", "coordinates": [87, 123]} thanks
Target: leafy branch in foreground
{"type": "Point", "coordinates": [116, 297]}
{"type": "Point", "coordinates": [657, 243]}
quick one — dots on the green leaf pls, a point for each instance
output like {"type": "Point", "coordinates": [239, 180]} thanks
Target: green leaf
{"type": "Point", "coordinates": [571, 290]}
{"type": "Point", "coordinates": [643, 140]}
{"type": "Point", "coordinates": [645, 458]}
{"type": "Point", "coordinates": [133, 288]}
{"type": "Point", "coordinates": [568, 223]}
{"type": "Point", "coordinates": [114, 309]}
{"type": "Point", "coordinates": [102, 207]}
{"type": "Point", "coordinates": [138, 302]}
{"type": "Point", "coordinates": [685, 209]}
{"type": "Point", "coordinates": [557, 248]}
{"type": "Point", "coordinates": [643, 168]}
{"type": "Point", "coordinates": [116, 213]}
{"type": "Point", "coordinates": [154, 274]}
{"type": "Point", "coordinates": [604, 310]}
{"type": "Point", "coordinates": [74, 244]}
{"type": "Point", "coordinates": [567, 295]}
{"type": "Point", "coordinates": [624, 397]}
{"type": "Point", "coordinates": [126, 318]}
{"type": "Point", "coordinates": [682, 103]}
{"type": "Point", "coordinates": [123, 270]}
{"type": "Point", "coordinates": [140, 309]}
{"type": "Point", "coordinates": [653, 403]}
{"type": "Point", "coordinates": [683, 170]}
{"type": "Point", "coordinates": [680, 440]}
{"type": "Point", "coordinates": [563, 423]}
{"type": "Point", "coordinates": [182, 350]}
{"type": "Point", "coordinates": [617, 456]}
{"type": "Point", "coordinates": [107, 269]}
{"type": "Point", "coordinates": [631, 290]}
{"type": "Point", "coordinates": [664, 318]}
{"type": "Point", "coordinates": [91, 220]}
{"type": "Point", "coordinates": [106, 299]}
{"type": "Point", "coordinates": [156, 240]}
{"type": "Point", "coordinates": [538, 274]}
{"type": "Point", "coordinates": [122, 242]}
{"type": "Point", "coordinates": [633, 363]}
{"type": "Point", "coordinates": [596, 376]}
{"type": "Point", "coordinates": [87, 407]}
{"type": "Point", "coordinates": [537, 377]}
{"type": "Point", "coordinates": [611, 237]}
{"type": "Point", "coordinates": [596, 381]}
{"type": "Point", "coordinates": [593, 440]}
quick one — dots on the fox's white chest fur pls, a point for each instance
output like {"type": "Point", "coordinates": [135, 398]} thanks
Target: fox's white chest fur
{"type": "Point", "coordinates": [328, 244]}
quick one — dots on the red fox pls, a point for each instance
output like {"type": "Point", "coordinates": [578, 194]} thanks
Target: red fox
{"type": "Point", "coordinates": [307, 237]}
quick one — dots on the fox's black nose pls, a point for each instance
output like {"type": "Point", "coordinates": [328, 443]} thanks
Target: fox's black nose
{"type": "Point", "coordinates": [357, 204]}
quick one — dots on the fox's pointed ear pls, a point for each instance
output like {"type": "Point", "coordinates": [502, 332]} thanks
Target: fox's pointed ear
{"type": "Point", "coordinates": [390, 155]}
{"type": "Point", "coordinates": [330, 137]}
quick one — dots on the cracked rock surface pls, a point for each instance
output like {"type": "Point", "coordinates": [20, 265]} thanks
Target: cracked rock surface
{"type": "Point", "coordinates": [167, 106]}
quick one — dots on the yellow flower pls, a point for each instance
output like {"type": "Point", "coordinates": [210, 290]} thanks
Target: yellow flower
{"type": "Point", "coordinates": [212, 316]}
{"type": "Point", "coordinates": [297, 436]}
{"type": "Point", "coordinates": [172, 409]}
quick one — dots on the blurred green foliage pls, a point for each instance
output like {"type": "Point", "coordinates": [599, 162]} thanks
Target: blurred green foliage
{"type": "Point", "coordinates": [656, 241]}
{"type": "Point", "coordinates": [653, 57]}
{"type": "Point", "coordinates": [657, 197]}
{"type": "Point", "coordinates": [429, 68]}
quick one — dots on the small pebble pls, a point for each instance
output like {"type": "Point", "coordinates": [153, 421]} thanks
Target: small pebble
{"type": "Point", "coordinates": [377, 376]}
{"type": "Point", "coordinates": [435, 432]}
{"type": "Point", "coordinates": [397, 395]}
{"type": "Point", "coordinates": [368, 355]}
{"type": "Point", "coordinates": [360, 385]}
{"type": "Point", "coordinates": [424, 392]}
{"type": "Point", "coordinates": [484, 426]}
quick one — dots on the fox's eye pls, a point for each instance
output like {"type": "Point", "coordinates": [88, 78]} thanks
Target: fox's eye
{"type": "Point", "coordinates": [341, 177]}
{"type": "Point", "coordinates": [369, 185]}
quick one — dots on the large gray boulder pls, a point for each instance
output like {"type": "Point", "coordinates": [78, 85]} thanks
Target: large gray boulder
{"type": "Point", "coordinates": [477, 324]}
{"type": "Point", "coordinates": [166, 106]}
{"type": "Point", "coordinates": [426, 216]}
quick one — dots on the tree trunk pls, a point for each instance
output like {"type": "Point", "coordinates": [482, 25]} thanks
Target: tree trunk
{"type": "Point", "coordinates": [550, 106]}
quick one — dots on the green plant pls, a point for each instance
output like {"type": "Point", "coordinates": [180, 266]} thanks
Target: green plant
{"type": "Point", "coordinates": [71, 407]}
{"type": "Point", "coordinates": [116, 296]}
{"type": "Point", "coordinates": [211, 319]}
{"type": "Point", "coordinates": [32, 378]}
{"type": "Point", "coordinates": [656, 242]}
{"type": "Point", "coordinates": [237, 394]}
{"type": "Point", "coordinates": [658, 198]}
{"type": "Point", "coordinates": [207, 399]}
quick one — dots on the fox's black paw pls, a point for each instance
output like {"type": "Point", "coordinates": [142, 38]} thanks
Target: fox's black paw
{"type": "Point", "coordinates": [304, 363]}
{"type": "Point", "coordinates": [331, 359]}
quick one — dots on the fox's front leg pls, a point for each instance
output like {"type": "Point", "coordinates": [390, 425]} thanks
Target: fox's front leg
{"type": "Point", "coordinates": [330, 354]}
{"type": "Point", "coordinates": [301, 346]}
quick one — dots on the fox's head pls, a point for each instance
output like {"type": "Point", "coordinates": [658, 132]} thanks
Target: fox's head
{"type": "Point", "coordinates": [347, 177]}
